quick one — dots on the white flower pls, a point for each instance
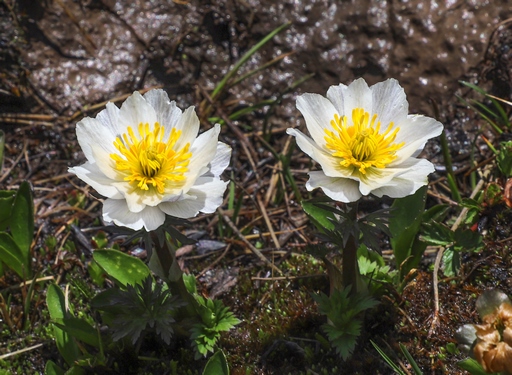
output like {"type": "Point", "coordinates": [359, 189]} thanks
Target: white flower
{"type": "Point", "coordinates": [365, 141]}
{"type": "Point", "coordinates": [148, 161]}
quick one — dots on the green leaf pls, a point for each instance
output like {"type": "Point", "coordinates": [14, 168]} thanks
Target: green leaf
{"type": "Point", "coordinates": [80, 330]}
{"type": "Point", "coordinates": [404, 225]}
{"type": "Point", "coordinates": [217, 365]}
{"type": "Point", "coordinates": [451, 262]}
{"type": "Point", "coordinates": [472, 366]}
{"type": "Point", "coordinates": [96, 273]}
{"type": "Point", "coordinates": [67, 347]}
{"type": "Point", "coordinates": [437, 234]}
{"type": "Point", "coordinates": [321, 218]}
{"type": "Point", "coordinates": [6, 201]}
{"type": "Point", "coordinates": [12, 256]}
{"type": "Point", "coordinates": [22, 222]}
{"type": "Point", "coordinates": [124, 268]}
{"type": "Point", "coordinates": [52, 369]}
{"type": "Point", "coordinates": [467, 239]}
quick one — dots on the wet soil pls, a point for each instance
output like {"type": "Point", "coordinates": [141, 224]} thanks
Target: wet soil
{"type": "Point", "coordinates": [58, 58]}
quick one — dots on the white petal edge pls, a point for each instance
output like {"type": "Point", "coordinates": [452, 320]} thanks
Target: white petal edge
{"type": "Point", "coordinates": [340, 189]}
{"type": "Point", "coordinates": [134, 111]}
{"type": "Point", "coordinates": [389, 102]}
{"type": "Point", "coordinates": [116, 210]}
{"type": "Point", "coordinates": [203, 152]}
{"type": "Point", "coordinates": [415, 132]}
{"type": "Point", "coordinates": [92, 134]}
{"type": "Point", "coordinates": [318, 113]}
{"type": "Point", "coordinates": [328, 162]}
{"type": "Point", "coordinates": [91, 175]}
{"type": "Point", "coordinates": [347, 98]}
{"type": "Point", "coordinates": [221, 160]}
{"type": "Point", "coordinates": [408, 182]}
{"type": "Point", "coordinates": [167, 114]}
{"type": "Point", "coordinates": [206, 196]}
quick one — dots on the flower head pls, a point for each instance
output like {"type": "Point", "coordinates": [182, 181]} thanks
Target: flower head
{"type": "Point", "coordinates": [365, 141]}
{"type": "Point", "coordinates": [148, 161]}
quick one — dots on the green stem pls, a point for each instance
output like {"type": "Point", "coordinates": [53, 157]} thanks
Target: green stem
{"type": "Point", "coordinates": [166, 254]}
{"type": "Point", "coordinates": [350, 269]}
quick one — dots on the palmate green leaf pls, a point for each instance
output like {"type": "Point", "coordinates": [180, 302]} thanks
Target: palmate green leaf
{"type": "Point", "coordinates": [125, 269]}
{"type": "Point", "coordinates": [217, 365]}
{"type": "Point", "coordinates": [12, 256]}
{"type": "Point", "coordinates": [467, 239]}
{"type": "Point", "coordinates": [66, 345]}
{"type": "Point", "coordinates": [138, 308]}
{"type": "Point", "coordinates": [22, 223]}
{"type": "Point", "coordinates": [437, 234]}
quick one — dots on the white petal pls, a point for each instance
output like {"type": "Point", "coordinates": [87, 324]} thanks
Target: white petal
{"type": "Point", "coordinates": [138, 199]}
{"type": "Point", "coordinates": [318, 113]}
{"type": "Point", "coordinates": [167, 114]}
{"type": "Point", "coordinates": [91, 174]}
{"type": "Point", "coordinates": [203, 152]}
{"type": "Point", "coordinates": [408, 182]}
{"type": "Point", "coordinates": [389, 102]}
{"type": "Point", "coordinates": [109, 117]}
{"type": "Point", "coordinates": [136, 110]}
{"type": "Point", "coordinates": [189, 125]}
{"type": "Point", "coordinates": [91, 133]}
{"type": "Point", "coordinates": [329, 163]}
{"type": "Point", "coordinates": [116, 210]}
{"type": "Point", "coordinates": [339, 189]}
{"type": "Point", "coordinates": [221, 160]}
{"type": "Point", "coordinates": [414, 132]}
{"type": "Point", "coordinates": [347, 98]}
{"type": "Point", "coordinates": [206, 196]}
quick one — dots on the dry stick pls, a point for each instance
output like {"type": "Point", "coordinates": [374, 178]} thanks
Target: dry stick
{"type": "Point", "coordinates": [267, 221]}
{"type": "Point", "coordinates": [258, 253]}
{"type": "Point", "coordinates": [4, 356]}
{"type": "Point", "coordinates": [439, 256]}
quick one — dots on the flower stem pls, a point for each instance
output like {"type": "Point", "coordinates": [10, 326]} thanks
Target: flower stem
{"type": "Point", "coordinates": [172, 273]}
{"type": "Point", "coordinates": [350, 269]}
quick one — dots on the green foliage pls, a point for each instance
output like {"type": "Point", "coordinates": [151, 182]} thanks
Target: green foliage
{"type": "Point", "coordinates": [215, 318]}
{"type": "Point", "coordinates": [217, 365]}
{"type": "Point", "coordinates": [122, 267]}
{"type": "Point", "coordinates": [473, 367]}
{"type": "Point", "coordinates": [393, 365]}
{"type": "Point", "coordinates": [138, 308]}
{"type": "Point", "coordinates": [66, 345]}
{"type": "Point", "coordinates": [404, 226]}
{"type": "Point", "coordinates": [504, 158]}
{"type": "Point", "coordinates": [456, 241]}
{"type": "Point", "coordinates": [372, 267]}
{"type": "Point", "coordinates": [345, 321]}
{"type": "Point", "coordinates": [17, 215]}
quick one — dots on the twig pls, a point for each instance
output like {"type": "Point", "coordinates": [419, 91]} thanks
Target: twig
{"type": "Point", "coordinates": [4, 356]}
{"type": "Point", "coordinates": [258, 253]}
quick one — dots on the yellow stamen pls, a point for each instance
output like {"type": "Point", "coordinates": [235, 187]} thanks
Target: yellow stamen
{"type": "Point", "coordinates": [361, 145]}
{"type": "Point", "coordinates": [150, 162]}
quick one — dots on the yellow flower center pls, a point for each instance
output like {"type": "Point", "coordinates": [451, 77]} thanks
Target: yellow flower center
{"type": "Point", "coordinates": [361, 145]}
{"type": "Point", "coordinates": [149, 161]}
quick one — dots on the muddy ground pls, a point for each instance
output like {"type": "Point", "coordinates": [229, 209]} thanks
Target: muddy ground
{"type": "Point", "coordinates": [60, 58]}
